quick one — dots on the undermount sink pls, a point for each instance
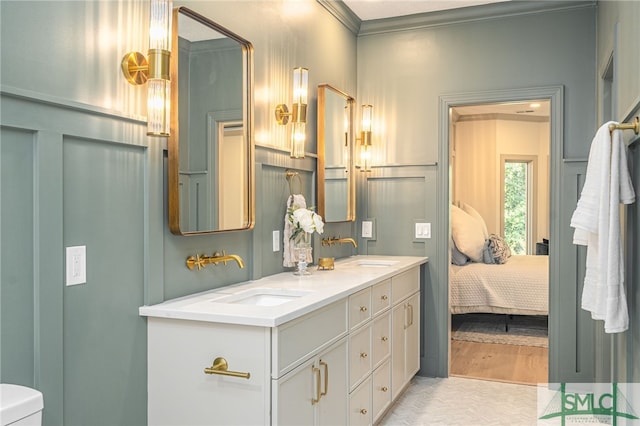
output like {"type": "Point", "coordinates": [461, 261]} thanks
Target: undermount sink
{"type": "Point", "coordinates": [376, 263]}
{"type": "Point", "coordinates": [264, 296]}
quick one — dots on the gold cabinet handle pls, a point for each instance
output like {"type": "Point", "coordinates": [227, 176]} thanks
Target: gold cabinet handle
{"type": "Point", "coordinates": [384, 338]}
{"type": "Point", "coordinates": [363, 355]}
{"type": "Point", "coordinates": [363, 411]}
{"type": "Point", "coordinates": [410, 314]}
{"type": "Point", "coordinates": [326, 378]}
{"type": "Point", "coordinates": [384, 389]}
{"type": "Point", "coordinates": [316, 372]}
{"type": "Point", "coordinates": [363, 309]}
{"type": "Point", "coordinates": [384, 297]}
{"type": "Point", "coordinates": [220, 366]}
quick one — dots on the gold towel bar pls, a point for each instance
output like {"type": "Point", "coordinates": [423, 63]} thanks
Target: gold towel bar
{"type": "Point", "coordinates": [220, 366]}
{"type": "Point", "coordinates": [635, 126]}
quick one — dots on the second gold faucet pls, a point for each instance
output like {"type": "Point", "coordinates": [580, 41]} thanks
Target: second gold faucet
{"type": "Point", "coordinates": [201, 260]}
{"type": "Point", "coordinates": [333, 240]}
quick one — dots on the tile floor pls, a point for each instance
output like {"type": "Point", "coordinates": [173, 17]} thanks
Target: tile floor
{"type": "Point", "coordinates": [465, 402]}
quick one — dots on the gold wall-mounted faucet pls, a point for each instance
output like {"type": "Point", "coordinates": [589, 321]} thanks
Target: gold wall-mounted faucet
{"type": "Point", "coordinates": [333, 240]}
{"type": "Point", "coordinates": [201, 260]}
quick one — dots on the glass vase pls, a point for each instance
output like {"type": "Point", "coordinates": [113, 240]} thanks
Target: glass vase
{"type": "Point", "coordinates": [302, 253]}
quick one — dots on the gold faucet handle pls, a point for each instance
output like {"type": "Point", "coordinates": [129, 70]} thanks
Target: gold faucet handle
{"type": "Point", "coordinates": [195, 261]}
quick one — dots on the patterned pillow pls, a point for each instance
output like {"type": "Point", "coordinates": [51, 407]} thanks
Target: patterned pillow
{"type": "Point", "coordinates": [499, 249]}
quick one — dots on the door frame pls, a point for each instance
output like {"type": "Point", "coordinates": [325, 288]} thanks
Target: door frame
{"type": "Point", "coordinates": [555, 94]}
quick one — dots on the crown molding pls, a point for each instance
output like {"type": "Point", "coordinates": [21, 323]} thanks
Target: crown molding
{"type": "Point", "coordinates": [468, 14]}
{"type": "Point", "coordinates": [343, 14]}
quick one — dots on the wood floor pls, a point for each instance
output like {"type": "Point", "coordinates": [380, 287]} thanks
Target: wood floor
{"type": "Point", "coordinates": [504, 363]}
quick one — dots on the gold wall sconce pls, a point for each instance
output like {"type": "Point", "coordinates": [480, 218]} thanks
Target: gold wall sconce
{"type": "Point", "coordinates": [154, 68]}
{"type": "Point", "coordinates": [299, 112]}
{"type": "Point", "coordinates": [365, 138]}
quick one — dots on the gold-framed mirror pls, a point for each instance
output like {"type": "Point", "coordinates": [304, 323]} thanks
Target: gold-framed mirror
{"type": "Point", "coordinates": [336, 181]}
{"type": "Point", "coordinates": [210, 149]}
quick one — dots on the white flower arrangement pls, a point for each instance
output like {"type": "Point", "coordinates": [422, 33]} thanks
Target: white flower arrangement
{"type": "Point", "coordinates": [304, 220]}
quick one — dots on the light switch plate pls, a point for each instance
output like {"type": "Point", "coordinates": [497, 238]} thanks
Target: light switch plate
{"type": "Point", "coordinates": [423, 230]}
{"type": "Point", "coordinates": [76, 263]}
{"type": "Point", "coordinates": [368, 229]}
{"type": "Point", "coordinates": [276, 241]}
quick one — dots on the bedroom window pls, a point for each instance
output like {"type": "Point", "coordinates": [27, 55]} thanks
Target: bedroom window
{"type": "Point", "coordinates": [517, 212]}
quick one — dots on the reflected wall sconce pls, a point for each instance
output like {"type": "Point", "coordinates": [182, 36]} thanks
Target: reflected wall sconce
{"type": "Point", "coordinates": [299, 112]}
{"type": "Point", "coordinates": [154, 68]}
{"type": "Point", "coordinates": [365, 138]}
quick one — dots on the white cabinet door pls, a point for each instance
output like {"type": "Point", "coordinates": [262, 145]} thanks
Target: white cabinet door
{"type": "Point", "coordinates": [334, 394]}
{"type": "Point", "coordinates": [412, 337]}
{"type": "Point", "coordinates": [405, 344]}
{"type": "Point", "coordinates": [294, 395]}
{"type": "Point", "coordinates": [315, 392]}
{"type": "Point", "coordinates": [398, 320]}
{"type": "Point", "coordinates": [360, 405]}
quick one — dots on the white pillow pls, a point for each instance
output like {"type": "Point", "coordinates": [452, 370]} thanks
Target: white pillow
{"type": "Point", "coordinates": [467, 234]}
{"type": "Point", "coordinates": [474, 214]}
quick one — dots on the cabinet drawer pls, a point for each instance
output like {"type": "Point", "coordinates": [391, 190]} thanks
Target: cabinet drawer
{"type": "Point", "coordinates": [360, 405]}
{"type": "Point", "coordinates": [359, 308]}
{"type": "Point", "coordinates": [359, 355]}
{"type": "Point", "coordinates": [405, 284]}
{"type": "Point", "coordinates": [380, 297]}
{"type": "Point", "coordinates": [381, 389]}
{"type": "Point", "coordinates": [296, 340]}
{"type": "Point", "coordinates": [381, 339]}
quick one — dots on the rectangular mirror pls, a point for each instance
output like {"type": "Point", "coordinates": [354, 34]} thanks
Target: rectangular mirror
{"type": "Point", "coordinates": [210, 158]}
{"type": "Point", "coordinates": [336, 183]}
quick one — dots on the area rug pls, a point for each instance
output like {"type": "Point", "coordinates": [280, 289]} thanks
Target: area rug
{"type": "Point", "coordinates": [489, 328]}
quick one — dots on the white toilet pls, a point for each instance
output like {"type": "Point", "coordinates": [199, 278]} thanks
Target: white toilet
{"type": "Point", "coordinates": [20, 406]}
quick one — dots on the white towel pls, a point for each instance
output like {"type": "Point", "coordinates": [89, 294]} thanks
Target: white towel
{"type": "Point", "coordinates": [597, 225]}
{"type": "Point", "coordinates": [289, 258]}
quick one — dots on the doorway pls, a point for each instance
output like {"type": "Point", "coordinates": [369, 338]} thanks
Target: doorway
{"type": "Point", "coordinates": [451, 107]}
{"type": "Point", "coordinates": [499, 160]}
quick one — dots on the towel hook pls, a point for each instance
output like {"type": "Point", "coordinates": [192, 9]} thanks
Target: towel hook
{"type": "Point", "coordinates": [290, 174]}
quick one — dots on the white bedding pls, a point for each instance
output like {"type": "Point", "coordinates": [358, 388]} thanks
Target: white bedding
{"type": "Point", "coordinates": [519, 286]}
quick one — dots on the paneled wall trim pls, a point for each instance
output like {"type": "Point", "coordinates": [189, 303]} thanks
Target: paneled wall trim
{"type": "Point", "coordinates": [90, 185]}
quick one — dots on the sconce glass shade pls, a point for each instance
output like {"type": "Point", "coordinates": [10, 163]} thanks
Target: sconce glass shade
{"type": "Point", "coordinates": [160, 24]}
{"type": "Point", "coordinates": [159, 84]}
{"type": "Point", "coordinates": [365, 138]}
{"type": "Point", "coordinates": [299, 113]}
{"type": "Point", "coordinates": [298, 138]}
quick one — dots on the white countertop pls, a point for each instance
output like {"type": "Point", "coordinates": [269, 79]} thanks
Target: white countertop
{"type": "Point", "coordinates": [318, 289]}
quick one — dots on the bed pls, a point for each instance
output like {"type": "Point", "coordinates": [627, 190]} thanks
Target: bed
{"type": "Point", "coordinates": [518, 287]}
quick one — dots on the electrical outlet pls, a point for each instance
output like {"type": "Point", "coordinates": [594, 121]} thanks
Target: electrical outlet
{"type": "Point", "coordinates": [76, 262]}
{"type": "Point", "coordinates": [276, 241]}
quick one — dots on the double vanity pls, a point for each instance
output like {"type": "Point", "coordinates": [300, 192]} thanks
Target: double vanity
{"type": "Point", "coordinates": [336, 347]}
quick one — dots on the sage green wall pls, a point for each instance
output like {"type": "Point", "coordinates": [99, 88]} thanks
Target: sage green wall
{"type": "Point", "coordinates": [78, 169]}
{"type": "Point", "coordinates": [618, 35]}
{"type": "Point", "coordinates": [405, 69]}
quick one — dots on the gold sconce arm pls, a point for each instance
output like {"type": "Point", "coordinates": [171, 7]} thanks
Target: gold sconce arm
{"type": "Point", "coordinates": [221, 367]}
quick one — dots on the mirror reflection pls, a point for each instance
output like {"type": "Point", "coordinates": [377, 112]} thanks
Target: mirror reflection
{"type": "Point", "coordinates": [210, 148]}
{"type": "Point", "coordinates": [336, 184]}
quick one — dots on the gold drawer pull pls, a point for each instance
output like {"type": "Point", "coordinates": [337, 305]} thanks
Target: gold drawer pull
{"type": "Point", "coordinates": [363, 309]}
{"type": "Point", "coordinates": [363, 355]}
{"type": "Point", "coordinates": [363, 411]}
{"type": "Point", "coordinates": [316, 372]}
{"type": "Point", "coordinates": [220, 366]}
{"type": "Point", "coordinates": [384, 297]}
{"type": "Point", "coordinates": [384, 389]}
{"type": "Point", "coordinates": [384, 338]}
